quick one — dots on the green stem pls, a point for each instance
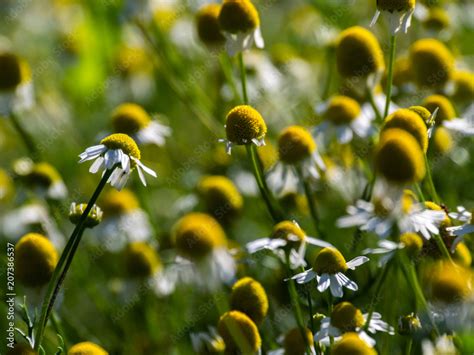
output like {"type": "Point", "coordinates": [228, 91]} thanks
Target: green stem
{"type": "Point", "coordinates": [419, 192]}
{"type": "Point", "coordinates": [312, 206]}
{"type": "Point", "coordinates": [429, 180]}
{"type": "Point", "coordinates": [262, 186]}
{"type": "Point", "coordinates": [243, 78]}
{"type": "Point", "coordinates": [25, 136]}
{"type": "Point", "coordinates": [442, 247]}
{"type": "Point", "coordinates": [227, 71]}
{"type": "Point", "coordinates": [409, 346]}
{"type": "Point", "coordinates": [370, 97]}
{"type": "Point", "coordinates": [390, 74]}
{"type": "Point", "coordinates": [65, 261]}
{"type": "Point", "coordinates": [378, 288]}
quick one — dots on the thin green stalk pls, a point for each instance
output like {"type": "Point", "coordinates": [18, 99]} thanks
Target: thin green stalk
{"type": "Point", "coordinates": [25, 136]}
{"type": "Point", "coordinates": [243, 78]}
{"type": "Point", "coordinates": [376, 295]}
{"type": "Point", "coordinates": [370, 97]}
{"type": "Point", "coordinates": [265, 193]}
{"type": "Point", "coordinates": [429, 180]}
{"type": "Point", "coordinates": [227, 71]}
{"type": "Point", "coordinates": [65, 261]}
{"type": "Point", "coordinates": [390, 74]}
{"type": "Point", "coordinates": [312, 206]}
{"type": "Point", "coordinates": [442, 247]}
{"type": "Point", "coordinates": [419, 192]}
{"type": "Point", "coordinates": [409, 346]}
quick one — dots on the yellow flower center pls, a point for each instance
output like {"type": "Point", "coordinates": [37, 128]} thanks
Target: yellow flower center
{"type": "Point", "coordinates": [446, 110]}
{"type": "Point", "coordinates": [249, 297]}
{"type": "Point", "coordinates": [342, 110]}
{"type": "Point", "coordinates": [295, 144]}
{"type": "Point", "coordinates": [411, 122]}
{"type": "Point", "coordinates": [463, 85]}
{"type": "Point", "coordinates": [295, 344]}
{"type": "Point", "coordinates": [358, 53]}
{"type": "Point", "coordinates": [402, 71]}
{"type": "Point", "coordinates": [288, 231]}
{"type": "Point", "coordinates": [442, 140]}
{"type": "Point", "coordinates": [399, 157]}
{"type": "Point", "coordinates": [353, 345]}
{"type": "Point", "coordinates": [409, 324]}
{"type": "Point", "coordinates": [115, 202]}
{"type": "Point", "coordinates": [437, 20]}
{"type": "Point", "coordinates": [395, 5]}
{"type": "Point", "coordinates": [43, 174]}
{"type": "Point", "coordinates": [408, 199]}
{"type": "Point", "coordinates": [239, 332]}
{"type": "Point", "coordinates": [10, 74]}
{"type": "Point", "coordinates": [329, 261]}
{"type": "Point", "coordinates": [238, 16]}
{"type": "Point", "coordinates": [36, 259]}
{"type": "Point", "coordinates": [347, 317]}
{"type": "Point", "coordinates": [451, 284]}
{"type": "Point", "coordinates": [123, 142]}
{"type": "Point", "coordinates": [87, 348]}
{"type": "Point", "coordinates": [412, 242]}
{"type": "Point", "coordinates": [141, 260]}
{"type": "Point", "coordinates": [380, 207]}
{"type": "Point", "coordinates": [92, 220]}
{"type": "Point", "coordinates": [129, 118]}
{"type": "Point", "coordinates": [462, 255]}
{"type": "Point", "coordinates": [432, 63]}
{"type": "Point", "coordinates": [422, 112]}
{"type": "Point", "coordinates": [221, 197]}
{"type": "Point", "coordinates": [196, 234]}
{"type": "Point", "coordinates": [207, 24]}
{"type": "Point", "coordinates": [244, 123]}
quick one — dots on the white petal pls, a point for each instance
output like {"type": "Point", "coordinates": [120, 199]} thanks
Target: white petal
{"type": "Point", "coordinates": [97, 165]}
{"type": "Point", "coordinates": [357, 262]}
{"type": "Point", "coordinates": [323, 282]}
{"type": "Point", "coordinates": [336, 287]}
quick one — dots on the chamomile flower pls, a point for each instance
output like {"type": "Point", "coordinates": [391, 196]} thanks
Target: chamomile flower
{"type": "Point", "coordinates": [297, 151]}
{"type": "Point", "coordinates": [206, 343]}
{"type": "Point", "coordinates": [117, 153]}
{"type": "Point", "coordinates": [328, 269]}
{"type": "Point", "coordinates": [240, 333]}
{"type": "Point", "coordinates": [45, 180]}
{"type": "Point", "coordinates": [398, 13]}
{"type": "Point", "coordinates": [287, 237]}
{"type": "Point", "coordinates": [123, 221]}
{"type": "Point", "coordinates": [86, 348]}
{"type": "Point", "coordinates": [462, 86]}
{"type": "Point", "coordinates": [35, 260]}
{"type": "Point", "coordinates": [294, 343]}
{"type": "Point", "coordinates": [359, 57]}
{"type": "Point", "coordinates": [351, 343]}
{"type": "Point", "coordinates": [240, 24]}
{"type": "Point", "coordinates": [343, 117]}
{"type": "Point", "coordinates": [16, 88]}
{"type": "Point", "coordinates": [244, 125]}
{"type": "Point", "coordinates": [207, 25]}
{"type": "Point", "coordinates": [201, 244]}
{"type": "Point", "coordinates": [345, 317]}
{"type": "Point", "coordinates": [93, 219]}
{"type": "Point", "coordinates": [248, 296]}
{"type": "Point", "coordinates": [432, 63]}
{"type": "Point", "coordinates": [133, 120]}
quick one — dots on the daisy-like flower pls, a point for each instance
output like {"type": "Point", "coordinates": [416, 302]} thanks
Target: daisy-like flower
{"type": "Point", "coordinates": [345, 317]}
{"type": "Point", "coordinates": [87, 347]}
{"type": "Point", "coordinates": [398, 13]}
{"type": "Point", "coordinates": [297, 151]}
{"type": "Point", "coordinates": [120, 153]}
{"type": "Point", "coordinates": [287, 237]}
{"type": "Point", "coordinates": [207, 25]}
{"type": "Point", "coordinates": [411, 242]}
{"type": "Point", "coordinates": [133, 120]}
{"type": "Point", "coordinates": [240, 333]}
{"type": "Point", "coordinates": [249, 296]}
{"type": "Point", "coordinates": [93, 219]}
{"type": "Point", "coordinates": [45, 180]}
{"type": "Point", "coordinates": [209, 342]}
{"type": "Point", "coordinates": [240, 25]}
{"type": "Point", "coordinates": [203, 257]}
{"type": "Point", "coordinates": [293, 343]}
{"type": "Point", "coordinates": [328, 269]}
{"type": "Point", "coordinates": [123, 221]}
{"type": "Point", "coordinates": [16, 88]}
{"type": "Point", "coordinates": [459, 232]}
{"type": "Point", "coordinates": [344, 118]}
{"type": "Point", "coordinates": [351, 343]}
{"type": "Point", "coordinates": [244, 125]}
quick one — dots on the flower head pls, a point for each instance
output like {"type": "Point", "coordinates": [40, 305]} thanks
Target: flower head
{"type": "Point", "coordinates": [47, 180]}
{"type": "Point", "coordinates": [141, 260]}
{"type": "Point", "coordinates": [463, 86]}
{"type": "Point", "coordinates": [449, 283]}
{"type": "Point", "coordinates": [442, 140]}
{"type": "Point", "coordinates": [358, 53]}
{"type": "Point", "coordinates": [432, 63]}
{"type": "Point", "coordinates": [445, 108]}
{"type": "Point", "coordinates": [86, 348]}
{"type": "Point", "coordinates": [197, 234]}
{"type": "Point", "coordinates": [399, 157]}
{"type": "Point", "coordinates": [411, 122]}
{"type": "Point", "coordinates": [399, 13]}
{"type": "Point", "coordinates": [295, 144]}
{"type": "Point", "coordinates": [295, 343]}
{"type": "Point", "coordinates": [93, 219]}
{"type": "Point", "coordinates": [437, 19]}
{"type": "Point", "coordinates": [342, 110]}
{"type": "Point", "coordinates": [351, 343]}
{"type": "Point", "coordinates": [412, 243]}
{"type": "Point", "coordinates": [409, 324]}
{"type": "Point", "coordinates": [240, 24]}
{"type": "Point", "coordinates": [36, 259]}
{"type": "Point", "coordinates": [329, 261]}
{"type": "Point", "coordinates": [249, 297]}
{"type": "Point", "coordinates": [116, 203]}
{"type": "Point", "coordinates": [347, 317]}
{"type": "Point", "coordinates": [11, 73]}
{"type": "Point", "coordinates": [119, 153]}
{"type": "Point", "coordinates": [244, 125]}
{"type": "Point", "coordinates": [207, 24]}
{"type": "Point", "coordinates": [239, 332]}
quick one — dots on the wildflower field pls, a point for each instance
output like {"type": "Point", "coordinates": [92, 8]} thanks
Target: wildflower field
{"type": "Point", "coordinates": [236, 177]}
